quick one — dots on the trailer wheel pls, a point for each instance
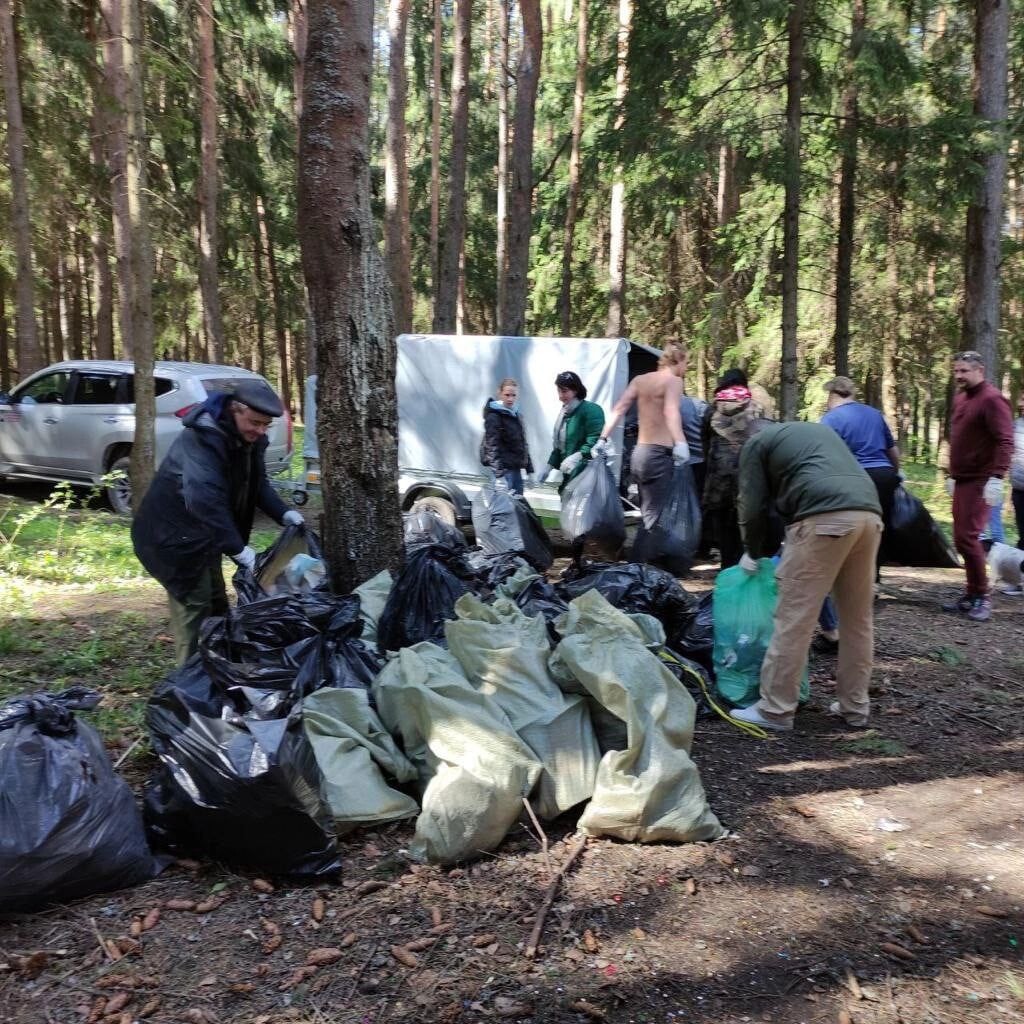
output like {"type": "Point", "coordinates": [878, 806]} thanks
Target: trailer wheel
{"type": "Point", "coordinates": [300, 498]}
{"type": "Point", "coordinates": [441, 507]}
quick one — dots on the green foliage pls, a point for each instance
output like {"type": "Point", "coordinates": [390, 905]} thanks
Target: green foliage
{"type": "Point", "coordinates": [874, 745]}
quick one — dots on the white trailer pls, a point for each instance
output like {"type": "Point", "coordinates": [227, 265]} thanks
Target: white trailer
{"type": "Point", "coordinates": [443, 382]}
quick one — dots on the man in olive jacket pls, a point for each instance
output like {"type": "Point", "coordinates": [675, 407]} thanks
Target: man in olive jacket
{"type": "Point", "coordinates": [201, 503]}
{"type": "Point", "coordinates": [833, 529]}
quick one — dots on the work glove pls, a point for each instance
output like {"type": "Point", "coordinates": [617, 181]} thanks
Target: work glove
{"type": "Point", "coordinates": [292, 518]}
{"type": "Point", "coordinates": [544, 474]}
{"type": "Point", "coordinates": [680, 453]}
{"type": "Point", "coordinates": [604, 447]}
{"type": "Point", "coordinates": [501, 484]}
{"type": "Point", "coordinates": [994, 492]}
{"type": "Point", "coordinates": [245, 559]}
{"type": "Point", "coordinates": [570, 463]}
{"type": "Point", "coordinates": [950, 486]}
{"type": "Point", "coordinates": [748, 564]}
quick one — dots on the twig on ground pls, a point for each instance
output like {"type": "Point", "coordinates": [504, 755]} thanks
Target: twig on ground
{"type": "Point", "coordinates": [541, 836]}
{"type": "Point", "coordinates": [361, 972]}
{"type": "Point", "coordinates": [99, 938]}
{"type": "Point", "coordinates": [549, 898]}
{"type": "Point", "coordinates": [124, 757]}
{"type": "Point", "coordinates": [980, 720]}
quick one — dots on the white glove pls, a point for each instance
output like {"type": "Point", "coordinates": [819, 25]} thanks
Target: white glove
{"type": "Point", "coordinates": [570, 463]}
{"type": "Point", "coordinates": [544, 474]}
{"type": "Point", "coordinates": [604, 447]}
{"type": "Point", "coordinates": [950, 486]}
{"type": "Point", "coordinates": [292, 518]}
{"type": "Point", "coordinates": [501, 484]}
{"type": "Point", "coordinates": [680, 452]}
{"type": "Point", "coordinates": [994, 492]}
{"type": "Point", "coordinates": [748, 564]}
{"type": "Point", "coordinates": [245, 559]}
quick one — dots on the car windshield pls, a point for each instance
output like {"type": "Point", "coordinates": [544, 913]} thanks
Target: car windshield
{"type": "Point", "coordinates": [216, 386]}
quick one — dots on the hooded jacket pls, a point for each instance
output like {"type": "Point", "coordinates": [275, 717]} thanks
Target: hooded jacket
{"type": "Point", "coordinates": [504, 445]}
{"type": "Point", "coordinates": [203, 498]}
{"type": "Point", "coordinates": [730, 425]}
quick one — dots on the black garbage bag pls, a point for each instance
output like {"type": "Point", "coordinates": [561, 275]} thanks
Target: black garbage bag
{"type": "Point", "coordinates": [505, 523]}
{"type": "Point", "coordinates": [491, 571]}
{"type": "Point", "coordinates": [423, 598]}
{"type": "Point", "coordinates": [538, 597]}
{"type": "Point", "coordinates": [671, 542]}
{"type": "Point", "coordinates": [914, 539]}
{"type": "Point", "coordinates": [592, 519]}
{"type": "Point", "coordinates": [697, 640]}
{"type": "Point", "coordinates": [234, 787]}
{"type": "Point", "coordinates": [69, 825]}
{"type": "Point", "coordinates": [268, 577]}
{"type": "Point", "coordinates": [421, 527]}
{"type": "Point", "coordinates": [632, 587]}
{"type": "Point", "coordinates": [695, 677]}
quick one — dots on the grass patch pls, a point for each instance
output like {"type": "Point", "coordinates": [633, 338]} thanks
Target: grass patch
{"type": "Point", "coordinates": [947, 656]}
{"type": "Point", "coordinates": [876, 745]}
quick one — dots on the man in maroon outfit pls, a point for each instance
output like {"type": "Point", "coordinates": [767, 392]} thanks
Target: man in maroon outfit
{"type": "Point", "coordinates": [980, 449]}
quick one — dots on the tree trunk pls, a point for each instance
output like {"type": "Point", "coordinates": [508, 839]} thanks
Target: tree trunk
{"type": "Point", "coordinates": [435, 157]}
{"type": "Point", "coordinates": [115, 97]}
{"type": "Point", "coordinates": [721, 324]}
{"type": "Point", "coordinates": [5, 338]}
{"type": "Point", "coordinates": [513, 313]}
{"type": "Point", "coordinates": [73, 298]}
{"type": "Point", "coordinates": [501, 227]}
{"type": "Point", "coordinates": [56, 319]}
{"type": "Point", "coordinates": [850, 131]}
{"type": "Point", "coordinates": [396, 172]}
{"type": "Point", "coordinates": [616, 326]}
{"type": "Point", "coordinates": [259, 305]}
{"type": "Point", "coordinates": [790, 391]}
{"type": "Point", "coordinates": [980, 325]}
{"type": "Point", "coordinates": [280, 331]}
{"type": "Point", "coordinates": [208, 177]}
{"type": "Point", "coordinates": [573, 195]}
{"type": "Point", "coordinates": [141, 269]}
{"type": "Point", "coordinates": [357, 411]}
{"type": "Point", "coordinates": [448, 272]}
{"type": "Point", "coordinates": [29, 356]}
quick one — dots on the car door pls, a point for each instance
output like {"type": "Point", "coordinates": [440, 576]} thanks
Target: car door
{"type": "Point", "coordinates": [90, 417]}
{"type": "Point", "coordinates": [29, 425]}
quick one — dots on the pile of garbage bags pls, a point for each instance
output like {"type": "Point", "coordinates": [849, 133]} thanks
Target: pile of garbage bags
{"type": "Point", "coordinates": [450, 694]}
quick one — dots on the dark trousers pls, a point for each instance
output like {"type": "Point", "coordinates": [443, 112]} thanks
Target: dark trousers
{"type": "Point", "coordinates": [514, 479]}
{"type": "Point", "coordinates": [970, 517]}
{"type": "Point", "coordinates": [725, 533]}
{"type": "Point", "coordinates": [886, 480]}
{"type": "Point", "coordinates": [651, 465]}
{"type": "Point", "coordinates": [208, 597]}
{"type": "Point", "coordinates": [1017, 494]}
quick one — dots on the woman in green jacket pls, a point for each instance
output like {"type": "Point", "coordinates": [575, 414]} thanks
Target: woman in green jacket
{"type": "Point", "coordinates": [577, 429]}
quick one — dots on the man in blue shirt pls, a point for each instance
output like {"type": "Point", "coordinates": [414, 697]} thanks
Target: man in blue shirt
{"type": "Point", "coordinates": [868, 436]}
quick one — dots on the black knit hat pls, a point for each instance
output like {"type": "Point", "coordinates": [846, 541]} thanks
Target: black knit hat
{"type": "Point", "coordinates": [259, 397]}
{"type": "Point", "coordinates": [570, 380]}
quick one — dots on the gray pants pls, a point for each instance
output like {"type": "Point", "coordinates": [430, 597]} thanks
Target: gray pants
{"type": "Point", "coordinates": [652, 467]}
{"type": "Point", "coordinates": [208, 597]}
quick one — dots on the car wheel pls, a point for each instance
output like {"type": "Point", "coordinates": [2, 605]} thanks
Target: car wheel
{"type": "Point", "coordinates": [441, 507]}
{"type": "Point", "coordinates": [119, 491]}
{"type": "Point", "coordinates": [300, 498]}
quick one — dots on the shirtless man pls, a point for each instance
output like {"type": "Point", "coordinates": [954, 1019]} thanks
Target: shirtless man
{"type": "Point", "coordinates": [660, 442]}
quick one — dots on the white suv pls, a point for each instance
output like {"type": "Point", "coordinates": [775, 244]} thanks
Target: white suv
{"type": "Point", "coordinates": [75, 420]}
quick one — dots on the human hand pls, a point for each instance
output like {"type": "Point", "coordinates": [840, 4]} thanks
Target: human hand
{"type": "Point", "coordinates": [544, 474]}
{"type": "Point", "coordinates": [994, 492]}
{"type": "Point", "coordinates": [245, 559]}
{"type": "Point", "coordinates": [680, 452]}
{"type": "Point", "coordinates": [292, 518]}
{"type": "Point", "coordinates": [570, 463]}
{"type": "Point", "coordinates": [604, 447]}
{"type": "Point", "coordinates": [950, 486]}
{"type": "Point", "coordinates": [901, 476]}
{"type": "Point", "coordinates": [748, 564]}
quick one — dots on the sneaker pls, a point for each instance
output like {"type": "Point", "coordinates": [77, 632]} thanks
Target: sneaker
{"type": "Point", "coordinates": [1012, 590]}
{"type": "Point", "coordinates": [981, 609]}
{"type": "Point", "coordinates": [754, 717]}
{"type": "Point", "coordinates": [961, 606]}
{"type": "Point", "coordinates": [854, 721]}
{"type": "Point", "coordinates": [823, 645]}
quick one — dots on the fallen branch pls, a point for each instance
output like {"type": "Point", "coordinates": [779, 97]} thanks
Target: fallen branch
{"type": "Point", "coordinates": [541, 836]}
{"type": "Point", "coordinates": [980, 720]}
{"type": "Point", "coordinates": [124, 757]}
{"type": "Point", "coordinates": [549, 898]}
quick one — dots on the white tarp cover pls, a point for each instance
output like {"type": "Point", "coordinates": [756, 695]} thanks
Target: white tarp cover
{"type": "Point", "coordinates": [443, 382]}
{"type": "Point", "coordinates": [475, 768]}
{"type": "Point", "coordinates": [504, 654]}
{"type": "Point", "coordinates": [648, 791]}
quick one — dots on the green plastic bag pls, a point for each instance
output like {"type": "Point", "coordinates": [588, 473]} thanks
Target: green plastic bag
{"type": "Point", "coordinates": [743, 607]}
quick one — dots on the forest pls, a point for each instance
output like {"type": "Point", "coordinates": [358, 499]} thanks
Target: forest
{"type": "Point", "coordinates": [801, 188]}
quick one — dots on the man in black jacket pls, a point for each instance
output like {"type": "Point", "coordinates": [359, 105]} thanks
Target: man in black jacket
{"type": "Point", "coordinates": [201, 503]}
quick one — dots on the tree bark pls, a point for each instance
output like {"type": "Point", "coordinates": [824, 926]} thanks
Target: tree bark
{"type": "Point", "coordinates": [73, 298]}
{"type": "Point", "coordinates": [357, 411]}
{"type": "Point", "coordinates": [396, 172]}
{"type": "Point", "coordinates": [29, 356]}
{"type": "Point", "coordinates": [280, 320]}
{"type": "Point", "coordinates": [513, 313]}
{"type": "Point", "coordinates": [208, 282]}
{"type": "Point", "coordinates": [5, 338]}
{"type": "Point", "coordinates": [435, 157]}
{"type": "Point", "coordinates": [573, 195]}
{"type": "Point", "coordinates": [616, 325]}
{"type": "Point", "coordinates": [980, 323]}
{"type": "Point", "coordinates": [847, 194]}
{"type": "Point", "coordinates": [790, 390]}
{"type": "Point", "coordinates": [448, 272]}
{"type": "Point", "coordinates": [140, 247]}
{"type": "Point", "coordinates": [501, 227]}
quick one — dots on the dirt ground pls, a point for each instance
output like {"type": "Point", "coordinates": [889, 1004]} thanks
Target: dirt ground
{"type": "Point", "coordinates": [869, 877]}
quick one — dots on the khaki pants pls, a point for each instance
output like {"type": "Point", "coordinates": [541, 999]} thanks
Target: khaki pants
{"type": "Point", "coordinates": [833, 552]}
{"type": "Point", "coordinates": [208, 597]}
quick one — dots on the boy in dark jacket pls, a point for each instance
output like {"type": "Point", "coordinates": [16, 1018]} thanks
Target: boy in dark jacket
{"type": "Point", "coordinates": [201, 503]}
{"type": "Point", "coordinates": [504, 449]}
